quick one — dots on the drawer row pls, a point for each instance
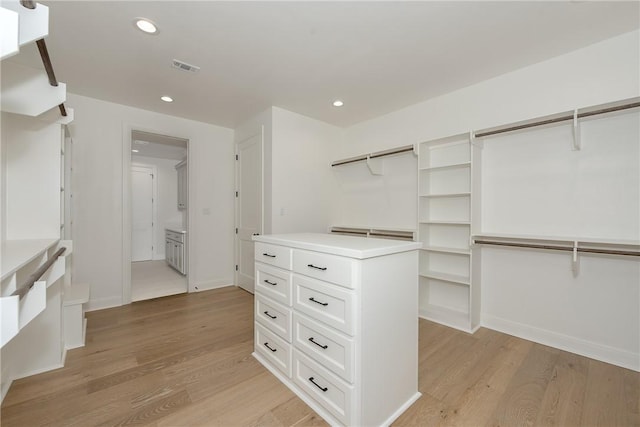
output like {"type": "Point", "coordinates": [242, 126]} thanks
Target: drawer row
{"type": "Point", "coordinates": [328, 347]}
{"type": "Point", "coordinates": [321, 301]}
{"type": "Point", "coordinates": [335, 269]}
{"type": "Point", "coordinates": [332, 392]}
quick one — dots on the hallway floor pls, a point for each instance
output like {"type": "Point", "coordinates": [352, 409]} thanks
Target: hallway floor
{"type": "Point", "coordinates": [154, 279]}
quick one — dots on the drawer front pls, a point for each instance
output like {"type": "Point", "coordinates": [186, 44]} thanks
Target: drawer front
{"type": "Point", "coordinates": [274, 282]}
{"type": "Point", "coordinates": [330, 268]}
{"type": "Point", "coordinates": [274, 349]}
{"type": "Point", "coordinates": [328, 303]}
{"type": "Point", "coordinates": [321, 385]}
{"type": "Point", "coordinates": [273, 316]}
{"type": "Point", "coordinates": [275, 255]}
{"type": "Point", "coordinates": [327, 347]}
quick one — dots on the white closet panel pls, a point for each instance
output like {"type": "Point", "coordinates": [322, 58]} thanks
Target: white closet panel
{"type": "Point", "coordinates": [533, 183]}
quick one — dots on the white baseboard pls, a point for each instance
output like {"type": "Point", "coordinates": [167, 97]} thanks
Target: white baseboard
{"type": "Point", "coordinates": [604, 353]}
{"type": "Point", "coordinates": [100, 303]}
{"type": "Point", "coordinates": [210, 284]}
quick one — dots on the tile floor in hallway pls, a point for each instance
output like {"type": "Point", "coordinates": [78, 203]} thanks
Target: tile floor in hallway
{"type": "Point", "coordinates": [154, 279]}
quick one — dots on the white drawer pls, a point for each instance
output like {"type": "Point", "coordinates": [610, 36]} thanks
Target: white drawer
{"type": "Point", "coordinates": [274, 349]}
{"type": "Point", "coordinates": [274, 282]}
{"type": "Point", "coordinates": [331, 268]}
{"type": "Point", "coordinates": [278, 256]}
{"type": "Point", "coordinates": [321, 385]}
{"type": "Point", "coordinates": [328, 303]}
{"type": "Point", "coordinates": [274, 316]}
{"type": "Point", "coordinates": [327, 347]}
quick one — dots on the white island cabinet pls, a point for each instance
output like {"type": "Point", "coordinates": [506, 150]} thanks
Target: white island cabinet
{"type": "Point", "coordinates": [337, 322]}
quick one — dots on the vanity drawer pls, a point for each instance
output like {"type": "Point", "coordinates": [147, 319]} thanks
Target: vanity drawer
{"type": "Point", "coordinates": [274, 282]}
{"type": "Point", "coordinates": [275, 255]}
{"type": "Point", "coordinates": [321, 385]}
{"type": "Point", "coordinates": [273, 316]}
{"type": "Point", "coordinates": [273, 348]}
{"type": "Point", "coordinates": [327, 347]}
{"type": "Point", "coordinates": [330, 268]}
{"type": "Point", "coordinates": [324, 302]}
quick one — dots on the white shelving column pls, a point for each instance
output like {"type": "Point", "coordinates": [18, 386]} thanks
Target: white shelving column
{"type": "Point", "coordinates": [448, 294]}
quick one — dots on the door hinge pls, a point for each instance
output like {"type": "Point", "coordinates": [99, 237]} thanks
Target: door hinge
{"type": "Point", "coordinates": [236, 194]}
{"type": "Point", "coordinates": [236, 231]}
{"type": "Point", "coordinates": [236, 267]}
{"type": "Point", "coordinates": [236, 157]}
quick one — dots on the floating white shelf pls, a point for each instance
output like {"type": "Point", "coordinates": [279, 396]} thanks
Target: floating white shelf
{"type": "Point", "coordinates": [454, 278]}
{"type": "Point", "coordinates": [446, 195]}
{"type": "Point", "coordinates": [447, 250]}
{"type": "Point", "coordinates": [449, 166]}
{"type": "Point", "coordinates": [444, 222]}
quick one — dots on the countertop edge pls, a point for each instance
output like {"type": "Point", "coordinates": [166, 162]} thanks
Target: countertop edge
{"type": "Point", "coordinates": [397, 246]}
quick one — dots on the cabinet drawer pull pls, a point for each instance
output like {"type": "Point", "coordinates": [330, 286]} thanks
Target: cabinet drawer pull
{"type": "Point", "coordinates": [273, 317]}
{"type": "Point", "coordinates": [318, 302]}
{"type": "Point", "coordinates": [316, 267]}
{"type": "Point", "coordinates": [324, 347]}
{"type": "Point", "coordinates": [324, 389]}
{"type": "Point", "coordinates": [269, 347]}
{"type": "Point", "coordinates": [269, 255]}
{"type": "Point", "coordinates": [270, 283]}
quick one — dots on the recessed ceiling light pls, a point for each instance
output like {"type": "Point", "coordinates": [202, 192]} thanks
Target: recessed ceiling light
{"type": "Point", "coordinates": [166, 98]}
{"type": "Point", "coordinates": [136, 151]}
{"type": "Point", "coordinates": [147, 26]}
{"type": "Point", "coordinates": [338, 103]}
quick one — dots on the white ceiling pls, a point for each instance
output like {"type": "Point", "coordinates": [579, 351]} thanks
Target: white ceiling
{"type": "Point", "coordinates": [376, 56]}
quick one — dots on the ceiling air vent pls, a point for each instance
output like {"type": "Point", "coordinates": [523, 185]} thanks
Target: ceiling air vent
{"type": "Point", "coordinates": [184, 66]}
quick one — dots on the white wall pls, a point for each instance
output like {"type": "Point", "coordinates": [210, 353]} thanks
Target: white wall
{"type": "Point", "coordinates": [600, 73]}
{"type": "Point", "coordinates": [298, 182]}
{"type": "Point", "coordinates": [527, 294]}
{"type": "Point", "coordinates": [31, 178]}
{"type": "Point", "coordinates": [301, 172]}
{"type": "Point", "coordinates": [167, 211]}
{"type": "Point", "coordinates": [97, 181]}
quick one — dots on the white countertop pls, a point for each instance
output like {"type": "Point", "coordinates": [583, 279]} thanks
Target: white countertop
{"type": "Point", "coordinates": [349, 246]}
{"type": "Point", "coordinates": [18, 253]}
{"type": "Point", "coordinates": [177, 228]}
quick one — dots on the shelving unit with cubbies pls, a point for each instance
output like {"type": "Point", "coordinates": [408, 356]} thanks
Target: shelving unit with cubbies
{"type": "Point", "coordinates": [448, 292]}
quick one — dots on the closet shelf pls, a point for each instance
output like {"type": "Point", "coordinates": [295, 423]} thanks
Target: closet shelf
{"type": "Point", "coordinates": [18, 253]}
{"type": "Point", "coordinates": [447, 250]}
{"type": "Point", "coordinates": [454, 278]}
{"type": "Point", "coordinates": [559, 239]}
{"type": "Point", "coordinates": [446, 316]}
{"type": "Point", "coordinates": [449, 166]}
{"type": "Point", "coordinates": [462, 194]}
{"type": "Point", "coordinates": [444, 222]}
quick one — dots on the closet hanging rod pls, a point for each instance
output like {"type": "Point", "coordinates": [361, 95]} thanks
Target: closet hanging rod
{"type": "Point", "coordinates": [558, 119]}
{"type": "Point", "coordinates": [44, 55]}
{"type": "Point", "coordinates": [558, 248]}
{"type": "Point", "coordinates": [36, 275]}
{"type": "Point", "coordinates": [390, 152]}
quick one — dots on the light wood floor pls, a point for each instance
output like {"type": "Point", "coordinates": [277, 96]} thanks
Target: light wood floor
{"type": "Point", "coordinates": [186, 360]}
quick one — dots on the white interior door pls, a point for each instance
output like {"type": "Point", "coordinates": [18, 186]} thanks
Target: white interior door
{"type": "Point", "coordinates": [248, 207]}
{"type": "Point", "coordinates": [142, 213]}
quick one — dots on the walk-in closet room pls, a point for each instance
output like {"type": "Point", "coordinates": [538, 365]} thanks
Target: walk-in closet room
{"type": "Point", "coordinates": [320, 213]}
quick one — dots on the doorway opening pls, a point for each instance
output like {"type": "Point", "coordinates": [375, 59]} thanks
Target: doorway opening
{"type": "Point", "coordinates": [159, 218]}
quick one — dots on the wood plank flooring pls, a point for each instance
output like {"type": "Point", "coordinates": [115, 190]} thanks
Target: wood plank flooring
{"type": "Point", "coordinates": [186, 360]}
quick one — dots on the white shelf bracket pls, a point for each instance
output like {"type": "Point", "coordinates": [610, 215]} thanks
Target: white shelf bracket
{"type": "Point", "coordinates": [375, 165]}
{"type": "Point", "coordinates": [574, 260]}
{"type": "Point", "coordinates": [576, 131]}
{"type": "Point", "coordinates": [472, 139]}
